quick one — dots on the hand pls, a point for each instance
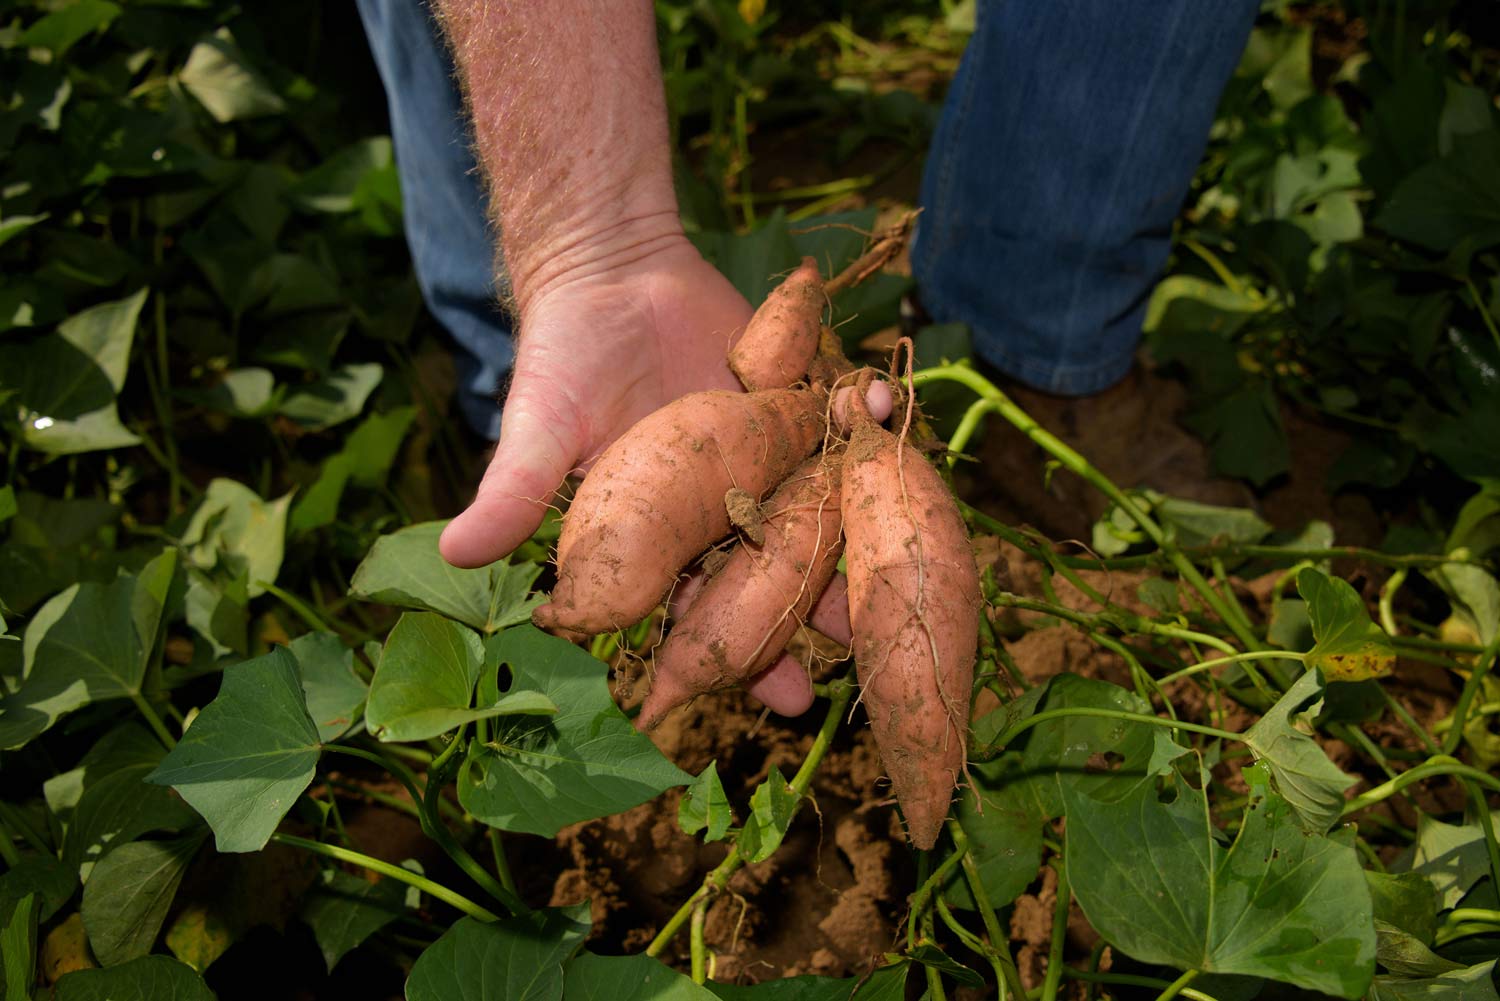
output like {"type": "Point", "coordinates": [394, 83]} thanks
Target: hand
{"type": "Point", "coordinates": [597, 353]}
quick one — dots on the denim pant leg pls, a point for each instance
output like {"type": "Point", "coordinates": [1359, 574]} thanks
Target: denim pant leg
{"type": "Point", "coordinates": [1062, 157]}
{"type": "Point", "coordinates": [443, 204]}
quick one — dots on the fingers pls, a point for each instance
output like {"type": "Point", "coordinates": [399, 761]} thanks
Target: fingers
{"type": "Point", "coordinates": [878, 401]}
{"type": "Point", "coordinates": [538, 448]}
{"type": "Point", "coordinates": [784, 687]}
{"type": "Point", "coordinates": [830, 613]}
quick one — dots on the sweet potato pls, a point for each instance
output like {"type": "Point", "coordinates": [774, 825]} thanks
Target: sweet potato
{"type": "Point", "coordinates": [781, 338]}
{"type": "Point", "coordinates": [739, 622]}
{"type": "Point", "coordinates": [914, 607]}
{"type": "Point", "coordinates": [655, 499]}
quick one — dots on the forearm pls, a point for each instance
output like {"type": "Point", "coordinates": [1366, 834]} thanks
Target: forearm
{"type": "Point", "coordinates": [571, 131]}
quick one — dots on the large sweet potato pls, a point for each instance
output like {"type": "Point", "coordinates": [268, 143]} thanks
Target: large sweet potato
{"type": "Point", "coordinates": [655, 499]}
{"type": "Point", "coordinates": [781, 338]}
{"type": "Point", "coordinates": [914, 606]}
{"type": "Point", "coordinates": [739, 622]}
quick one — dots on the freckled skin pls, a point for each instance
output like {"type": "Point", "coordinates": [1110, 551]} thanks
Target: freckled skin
{"type": "Point", "coordinates": [913, 593]}
{"type": "Point", "coordinates": [655, 500]}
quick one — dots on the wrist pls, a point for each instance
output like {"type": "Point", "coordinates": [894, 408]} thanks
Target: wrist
{"type": "Point", "coordinates": [628, 243]}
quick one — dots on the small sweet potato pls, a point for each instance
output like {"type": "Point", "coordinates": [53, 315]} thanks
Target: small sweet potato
{"type": "Point", "coordinates": [914, 607]}
{"type": "Point", "coordinates": [739, 622]}
{"type": "Point", "coordinates": [781, 338]}
{"type": "Point", "coordinates": [655, 499]}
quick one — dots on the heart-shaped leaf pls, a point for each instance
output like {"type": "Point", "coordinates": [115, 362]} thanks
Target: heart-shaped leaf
{"type": "Point", "coordinates": [249, 754]}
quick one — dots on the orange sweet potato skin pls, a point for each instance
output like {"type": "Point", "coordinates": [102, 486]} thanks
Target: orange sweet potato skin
{"type": "Point", "coordinates": [914, 607]}
{"type": "Point", "coordinates": [781, 338]}
{"type": "Point", "coordinates": [655, 499]}
{"type": "Point", "coordinates": [742, 618]}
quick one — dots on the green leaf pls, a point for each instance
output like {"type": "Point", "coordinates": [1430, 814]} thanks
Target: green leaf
{"type": "Point", "coordinates": [588, 977]}
{"type": "Point", "coordinates": [335, 693]}
{"type": "Point", "coordinates": [424, 685]}
{"type": "Point", "coordinates": [930, 955]}
{"type": "Point", "coordinates": [150, 978]}
{"type": "Point", "coordinates": [1476, 983]}
{"type": "Point", "coordinates": [1005, 836]}
{"type": "Point", "coordinates": [49, 880]}
{"type": "Point", "coordinates": [772, 807]}
{"type": "Point", "coordinates": [116, 805]}
{"type": "Point", "coordinates": [365, 460]}
{"type": "Point", "coordinates": [90, 643]}
{"type": "Point", "coordinates": [1402, 953]}
{"type": "Point", "coordinates": [333, 184]}
{"type": "Point", "coordinates": [1312, 785]}
{"type": "Point", "coordinates": [68, 380]}
{"type": "Point", "coordinates": [336, 398]}
{"type": "Point", "coordinates": [240, 392]}
{"type": "Point", "coordinates": [1278, 903]}
{"type": "Point", "coordinates": [406, 570]}
{"type": "Point", "coordinates": [60, 30]}
{"type": "Point", "coordinates": [1474, 596]}
{"type": "Point", "coordinates": [1350, 647]}
{"type": "Point", "coordinates": [518, 959]}
{"type": "Point", "coordinates": [1452, 857]}
{"type": "Point", "coordinates": [1086, 754]}
{"type": "Point", "coordinates": [344, 910]}
{"type": "Point", "coordinates": [1194, 523]}
{"type": "Point", "coordinates": [126, 898]}
{"type": "Point", "coordinates": [1245, 431]}
{"type": "Point", "coordinates": [753, 261]}
{"type": "Point", "coordinates": [18, 949]}
{"type": "Point", "coordinates": [217, 74]}
{"type": "Point", "coordinates": [233, 521]}
{"type": "Point", "coordinates": [249, 754]}
{"type": "Point", "coordinates": [705, 806]}
{"type": "Point", "coordinates": [1405, 900]}
{"type": "Point", "coordinates": [539, 775]}
{"type": "Point", "coordinates": [217, 606]}
{"type": "Point", "coordinates": [1451, 199]}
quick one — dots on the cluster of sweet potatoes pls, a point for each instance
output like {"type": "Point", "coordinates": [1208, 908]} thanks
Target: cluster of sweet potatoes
{"type": "Point", "coordinates": [795, 473]}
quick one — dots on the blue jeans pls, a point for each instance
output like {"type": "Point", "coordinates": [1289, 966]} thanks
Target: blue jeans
{"type": "Point", "coordinates": [447, 226]}
{"type": "Point", "coordinates": [1067, 143]}
{"type": "Point", "coordinates": [1063, 154]}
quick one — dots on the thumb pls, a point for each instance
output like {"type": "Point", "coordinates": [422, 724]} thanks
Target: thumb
{"type": "Point", "coordinates": [538, 447]}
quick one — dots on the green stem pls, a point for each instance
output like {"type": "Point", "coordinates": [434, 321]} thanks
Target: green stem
{"type": "Point", "coordinates": [967, 425]}
{"type": "Point", "coordinates": [1395, 706]}
{"type": "Point", "coordinates": [1131, 980]}
{"type": "Point", "coordinates": [1176, 986]}
{"type": "Point", "coordinates": [1071, 460]}
{"type": "Point", "coordinates": [435, 890]}
{"type": "Point", "coordinates": [502, 866]}
{"type": "Point", "coordinates": [1487, 825]}
{"type": "Point", "coordinates": [973, 942]}
{"type": "Point", "coordinates": [1437, 765]}
{"type": "Point", "coordinates": [840, 694]}
{"type": "Point", "coordinates": [697, 949]}
{"type": "Point", "coordinates": [432, 824]}
{"type": "Point", "coordinates": [1011, 981]}
{"type": "Point", "coordinates": [1484, 312]}
{"type": "Point", "coordinates": [923, 897]}
{"type": "Point", "coordinates": [305, 612]}
{"type": "Point", "coordinates": [1053, 976]}
{"type": "Point", "coordinates": [1482, 666]}
{"type": "Point", "coordinates": [1238, 658]}
{"type": "Point", "coordinates": [437, 777]}
{"type": "Point", "coordinates": [1021, 726]}
{"type": "Point", "coordinates": [153, 720]}
{"type": "Point", "coordinates": [1388, 598]}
